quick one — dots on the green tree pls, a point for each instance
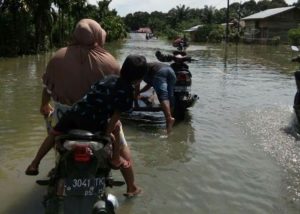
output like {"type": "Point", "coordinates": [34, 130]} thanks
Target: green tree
{"type": "Point", "coordinates": [114, 26]}
{"type": "Point", "coordinates": [294, 36]}
{"type": "Point", "coordinates": [220, 16]}
{"type": "Point", "coordinates": [178, 14]}
{"type": "Point", "coordinates": [63, 30]}
{"type": "Point", "coordinates": [277, 3]}
{"type": "Point", "coordinates": [103, 9]}
{"type": "Point", "coordinates": [157, 22]}
{"type": "Point", "coordinates": [16, 31]}
{"type": "Point", "coordinates": [194, 13]}
{"type": "Point", "coordinates": [263, 5]}
{"type": "Point", "coordinates": [31, 26]}
{"type": "Point", "coordinates": [249, 8]}
{"type": "Point", "coordinates": [137, 20]}
{"type": "Point", "coordinates": [234, 9]}
{"type": "Point", "coordinates": [208, 15]}
{"type": "Point", "coordinates": [42, 19]}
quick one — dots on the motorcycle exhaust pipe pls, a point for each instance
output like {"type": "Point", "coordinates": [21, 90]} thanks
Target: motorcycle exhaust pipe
{"type": "Point", "coordinates": [113, 199]}
{"type": "Point", "coordinates": [106, 207]}
{"type": "Point", "coordinates": [100, 208]}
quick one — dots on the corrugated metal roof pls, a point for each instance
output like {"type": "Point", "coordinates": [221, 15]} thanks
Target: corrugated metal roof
{"type": "Point", "coordinates": [267, 13]}
{"type": "Point", "coordinates": [194, 28]}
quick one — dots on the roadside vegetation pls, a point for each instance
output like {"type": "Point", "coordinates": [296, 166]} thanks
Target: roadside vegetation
{"type": "Point", "coordinates": [172, 23]}
{"type": "Point", "coordinates": [34, 26]}
{"type": "Point", "coordinates": [294, 36]}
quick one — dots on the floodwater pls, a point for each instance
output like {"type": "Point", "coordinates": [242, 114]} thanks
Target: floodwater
{"type": "Point", "coordinates": [236, 152]}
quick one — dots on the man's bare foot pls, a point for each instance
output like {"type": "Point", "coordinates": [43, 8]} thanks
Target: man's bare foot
{"type": "Point", "coordinates": [32, 170]}
{"type": "Point", "coordinates": [170, 122]}
{"type": "Point", "coordinates": [134, 193]}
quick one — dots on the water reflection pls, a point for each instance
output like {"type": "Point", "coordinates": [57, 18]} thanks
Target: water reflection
{"type": "Point", "coordinates": [179, 142]}
{"type": "Point", "coordinates": [225, 57]}
{"type": "Point", "coordinates": [155, 147]}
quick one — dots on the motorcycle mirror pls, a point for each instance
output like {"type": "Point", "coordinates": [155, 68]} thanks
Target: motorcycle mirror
{"type": "Point", "coordinates": [294, 48]}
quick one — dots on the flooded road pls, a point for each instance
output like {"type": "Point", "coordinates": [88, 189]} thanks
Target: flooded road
{"type": "Point", "coordinates": [236, 152]}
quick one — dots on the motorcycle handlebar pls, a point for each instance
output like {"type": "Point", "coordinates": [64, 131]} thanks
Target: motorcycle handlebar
{"type": "Point", "coordinates": [168, 58]}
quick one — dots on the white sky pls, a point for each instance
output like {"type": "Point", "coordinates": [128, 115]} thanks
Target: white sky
{"type": "Point", "coordinates": [124, 7]}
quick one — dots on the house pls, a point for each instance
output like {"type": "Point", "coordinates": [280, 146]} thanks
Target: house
{"type": "Point", "coordinates": [192, 31]}
{"type": "Point", "coordinates": [233, 24]}
{"type": "Point", "coordinates": [269, 24]}
{"type": "Point", "coordinates": [194, 28]}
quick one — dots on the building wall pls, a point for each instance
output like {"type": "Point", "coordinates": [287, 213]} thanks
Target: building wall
{"type": "Point", "coordinates": [277, 25]}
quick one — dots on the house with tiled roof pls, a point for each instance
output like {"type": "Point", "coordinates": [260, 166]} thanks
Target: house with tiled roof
{"type": "Point", "coordinates": [272, 23]}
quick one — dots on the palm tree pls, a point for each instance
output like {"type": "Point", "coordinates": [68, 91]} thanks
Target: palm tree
{"type": "Point", "coordinates": [278, 3]}
{"type": "Point", "coordinates": [208, 14]}
{"type": "Point", "coordinates": [67, 7]}
{"type": "Point", "coordinates": [41, 10]}
{"type": "Point", "coordinates": [178, 14]}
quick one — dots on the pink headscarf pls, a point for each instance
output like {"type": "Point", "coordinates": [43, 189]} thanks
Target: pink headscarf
{"type": "Point", "coordinates": [73, 69]}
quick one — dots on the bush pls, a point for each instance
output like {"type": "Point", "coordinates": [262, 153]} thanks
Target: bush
{"type": "Point", "coordinates": [294, 36]}
{"type": "Point", "coordinates": [171, 34]}
{"type": "Point", "coordinates": [216, 34]}
{"type": "Point", "coordinates": [114, 27]}
{"type": "Point", "coordinates": [202, 33]}
{"type": "Point", "coordinates": [211, 33]}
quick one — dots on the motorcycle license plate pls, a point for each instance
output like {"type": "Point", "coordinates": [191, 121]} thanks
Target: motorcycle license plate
{"type": "Point", "coordinates": [182, 88]}
{"type": "Point", "coordinates": [84, 186]}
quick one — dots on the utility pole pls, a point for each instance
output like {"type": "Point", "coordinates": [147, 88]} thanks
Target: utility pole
{"type": "Point", "coordinates": [227, 22]}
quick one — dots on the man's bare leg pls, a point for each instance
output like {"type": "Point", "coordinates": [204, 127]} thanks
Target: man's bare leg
{"type": "Point", "coordinates": [165, 105]}
{"type": "Point", "coordinates": [45, 147]}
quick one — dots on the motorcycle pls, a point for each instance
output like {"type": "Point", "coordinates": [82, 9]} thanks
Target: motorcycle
{"type": "Point", "coordinates": [181, 44]}
{"type": "Point", "coordinates": [297, 79]}
{"type": "Point", "coordinates": [184, 99]}
{"type": "Point", "coordinates": [78, 183]}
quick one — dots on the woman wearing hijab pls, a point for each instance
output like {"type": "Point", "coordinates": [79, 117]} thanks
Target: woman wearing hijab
{"type": "Point", "coordinates": [73, 69]}
{"type": "Point", "coordinates": [71, 72]}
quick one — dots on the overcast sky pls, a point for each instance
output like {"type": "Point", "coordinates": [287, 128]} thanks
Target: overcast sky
{"type": "Point", "coordinates": [130, 6]}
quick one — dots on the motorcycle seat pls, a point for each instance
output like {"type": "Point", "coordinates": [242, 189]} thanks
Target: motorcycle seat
{"type": "Point", "coordinates": [78, 134]}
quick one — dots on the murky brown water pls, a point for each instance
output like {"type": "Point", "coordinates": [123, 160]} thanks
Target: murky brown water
{"type": "Point", "coordinates": [235, 152]}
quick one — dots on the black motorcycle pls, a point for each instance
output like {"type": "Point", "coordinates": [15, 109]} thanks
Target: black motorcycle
{"type": "Point", "coordinates": [184, 99]}
{"type": "Point", "coordinates": [181, 44]}
{"type": "Point", "coordinates": [297, 79]}
{"type": "Point", "coordinates": [78, 183]}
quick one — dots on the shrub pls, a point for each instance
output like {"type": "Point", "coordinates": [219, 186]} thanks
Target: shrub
{"type": "Point", "coordinates": [216, 34]}
{"type": "Point", "coordinates": [211, 33]}
{"type": "Point", "coordinates": [171, 34]}
{"type": "Point", "coordinates": [294, 36]}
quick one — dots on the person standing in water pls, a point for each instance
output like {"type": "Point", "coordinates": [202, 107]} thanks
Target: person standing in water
{"type": "Point", "coordinates": [162, 78]}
